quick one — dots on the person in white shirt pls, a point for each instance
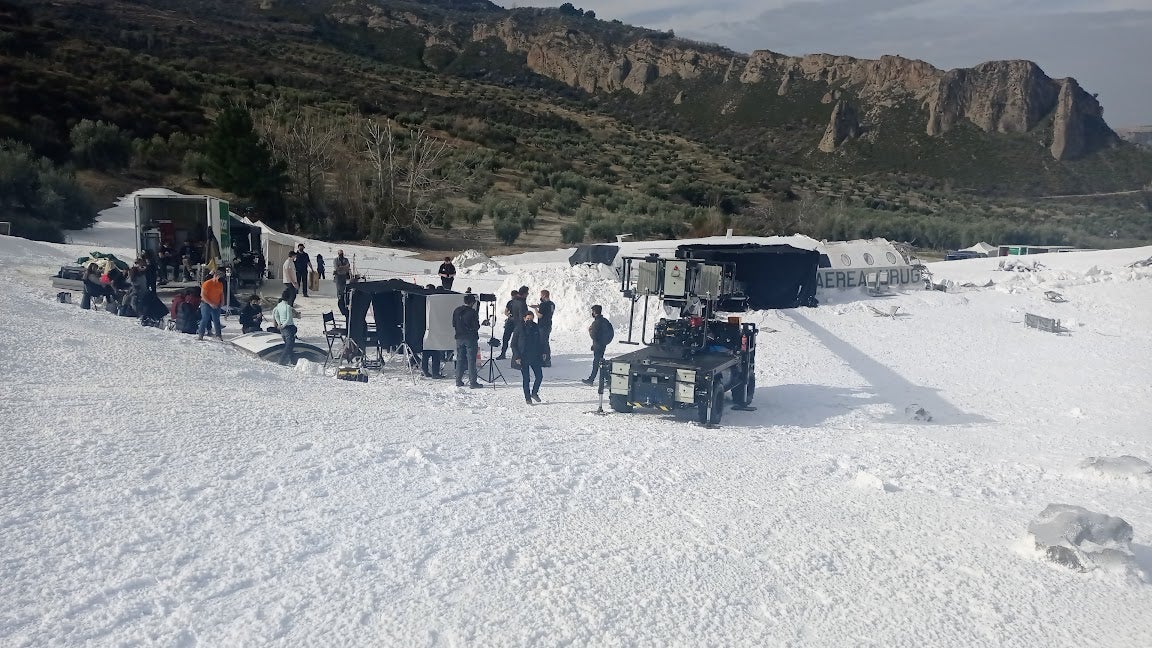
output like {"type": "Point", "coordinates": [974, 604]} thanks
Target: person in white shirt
{"type": "Point", "coordinates": [288, 275]}
{"type": "Point", "coordinates": [282, 318]}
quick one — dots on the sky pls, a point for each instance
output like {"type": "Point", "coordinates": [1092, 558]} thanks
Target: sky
{"type": "Point", "coordinates": [1106, 45]}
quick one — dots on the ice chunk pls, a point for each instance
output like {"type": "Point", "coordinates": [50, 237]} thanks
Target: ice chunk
{"type": "Point", "coordinates": [1083, 540]}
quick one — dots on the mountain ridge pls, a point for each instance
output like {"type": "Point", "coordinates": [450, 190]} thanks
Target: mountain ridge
{"type": "Point", "coordinates": [1012, 96]}
{"type": "Point", "coordinates": [599, 127]}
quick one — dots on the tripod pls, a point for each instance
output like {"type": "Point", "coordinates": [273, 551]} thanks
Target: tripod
{"type": "Point", "coordinates": [493, 370]}
{"type": "Point", "coordinates": [403, 349]}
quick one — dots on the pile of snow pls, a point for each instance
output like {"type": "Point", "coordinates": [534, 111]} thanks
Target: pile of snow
{"type": "Point", "coordinates": [1123, 467]}
{"type": "Point", "coordinates": [865, 480]}
{"type": "Point", "coordinates": [475, 262]}
{"type": "Point", "coordinates": [574, 289]}
{"type": "Point", "coordinates": [1080, 539]}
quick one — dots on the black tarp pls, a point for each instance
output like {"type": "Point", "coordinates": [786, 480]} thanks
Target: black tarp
{"type": "Point", "coordinates": [772, 276]}
{"type": "Point", "coordinates": [245, 238]}
{"type": "Point", "coordinates": [399, 310]}
{"type": "Point", "coordinates": [605, 254]}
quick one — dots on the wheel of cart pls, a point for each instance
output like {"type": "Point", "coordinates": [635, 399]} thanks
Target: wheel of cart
{"type": "Point", "coordinates": [712, 410]}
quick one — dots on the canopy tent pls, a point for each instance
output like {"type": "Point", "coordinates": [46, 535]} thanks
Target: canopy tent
{"type": "Point", "coordinates": [274, 245]}
{"type": "Point", "coordinates": [983, 248]}
{"type": "Point", "coordinates": [399, 313]}
{"type": "Point", "coordinates": [771, 276]}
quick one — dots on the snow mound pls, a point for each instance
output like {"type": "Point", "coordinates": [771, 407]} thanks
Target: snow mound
{"type": "Point", "coordinates": [1123, 467]}
{"type": "Point", "coordinates": [475, 261]}
{"type": "Point", "coordinates": [865, 480]}
{"type": "Point", "coordinates": [575, 289]}
{"type": "Point", "coordinates": [1083, 540]}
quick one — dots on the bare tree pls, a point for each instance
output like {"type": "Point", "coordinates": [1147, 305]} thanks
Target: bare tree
{"type": "Point", "coordinates": [411, 177]}
{"type": "Point", "coordinates": [307, 144]}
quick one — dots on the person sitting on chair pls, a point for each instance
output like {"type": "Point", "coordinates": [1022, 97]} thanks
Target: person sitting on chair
{"type": "Point", "coordinates": [252, 315]}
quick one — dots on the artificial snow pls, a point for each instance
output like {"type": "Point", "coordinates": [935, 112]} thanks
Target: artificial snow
{"type": "Point", "coordinates": [475, 262]}
{"type": "Point", "coordinates": [157, 490]}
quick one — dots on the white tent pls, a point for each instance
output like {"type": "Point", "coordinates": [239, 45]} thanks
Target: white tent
{"type": "Point", "coordinates": [275, 246]}
{"type": "Point", "coordinates": [982, 248]}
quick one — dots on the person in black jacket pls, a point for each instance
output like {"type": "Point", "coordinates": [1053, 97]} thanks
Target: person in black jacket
{"type": "Point", "coordinates": [303, 264]}
{"type": "Point", "coordinates": [528, 354]}
{"type": "Point", "coordinates": [544, 312]}
{"type": "Point", "coordinates": [150, 270]}
{"type": "Point", "coordinates": [252, 315]}
{"type": "Point", "coordinates": [601, 333]}
{"type": "Point", "coordinates": [515, 315]}
{"type": "Point", "coordinates": [447, 273]}
{"type": "Point", "coordinates": [466, 323]}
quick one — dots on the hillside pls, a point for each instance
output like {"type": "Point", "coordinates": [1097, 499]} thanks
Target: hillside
{"type": "Point", "coordinates": [556, 119]}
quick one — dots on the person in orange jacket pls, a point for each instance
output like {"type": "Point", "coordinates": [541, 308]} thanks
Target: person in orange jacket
{"type": "Point", "coordinates": [211, 301]}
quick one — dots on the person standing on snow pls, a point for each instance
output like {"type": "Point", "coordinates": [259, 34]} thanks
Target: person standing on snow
{"type": "Point", "coordinates": [515, 310]}
{"type": "Point", "coordinates": [288, 270]}
{"type": "Point", "coordinates": [528, 354]}
{"type": "Point", "coordinates": [601, 333]}
{"type": "Point", "coordinates": [341, 272]}
{"type": "Point", "coordinates": [303, 264]}
{"type": "Point", "coordinates": [544, 311]}
{"type": "Point", "coordinates": [211, 300]}
{"type": "Point", "coordinates": [466, 322]}
{"type": "Point", "coordinates": [282, 318]}
{"type": "Point", "coordinates": [320, 265]}
{"type": "Point", "coordinates": [447, 273]}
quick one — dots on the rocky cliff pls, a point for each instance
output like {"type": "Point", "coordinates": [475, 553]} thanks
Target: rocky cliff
{"type": "Point", "coordinates": [1000, 96]}
{"type": "Point", "coordinates": [843, 125]}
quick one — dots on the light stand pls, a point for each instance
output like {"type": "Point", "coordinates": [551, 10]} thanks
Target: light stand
{"type": "Point", "coordinates": [493, 370]}
{"type": "Point", "coordinates": [403, 349]}
{"type": "Point", "coordinates": [228, 292]}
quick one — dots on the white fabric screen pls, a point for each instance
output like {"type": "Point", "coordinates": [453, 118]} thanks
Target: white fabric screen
{"type": "Point", "coordinates": [438, 332]}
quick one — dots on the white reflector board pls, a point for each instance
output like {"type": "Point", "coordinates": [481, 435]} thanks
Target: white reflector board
{"type": "Point", "coordinates": [438, 332]}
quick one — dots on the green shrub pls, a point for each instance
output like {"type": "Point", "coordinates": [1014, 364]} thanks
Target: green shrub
{"type": "Point", "coordinates": [507, 231]}
{"type": "Point", "coordinates": [99, 145]}
{"type": "Point", "coordinates": [39, 198]}
{"type": "Point", "coordinates": [572, 233]}
{"type": "Point", "coordinates": [604, 230]}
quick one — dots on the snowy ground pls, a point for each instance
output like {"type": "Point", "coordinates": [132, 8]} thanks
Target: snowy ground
{"type": "Point", "coordinates": [161, 491]}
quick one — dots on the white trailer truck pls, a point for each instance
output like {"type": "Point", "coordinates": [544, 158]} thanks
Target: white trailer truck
{"type": "Point", "coordinates": [201, 222]}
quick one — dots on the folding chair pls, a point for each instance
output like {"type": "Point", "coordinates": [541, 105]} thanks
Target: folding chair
{"type": "Point", "coordinates": [333, 332]}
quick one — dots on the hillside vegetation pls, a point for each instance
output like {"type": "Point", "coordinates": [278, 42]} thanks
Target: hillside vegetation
{"type": "Point", "coordinates": [341, 120]}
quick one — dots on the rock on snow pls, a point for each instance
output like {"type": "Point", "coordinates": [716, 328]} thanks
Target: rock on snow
{"type": "Point", "coordinates": [1083, 540]}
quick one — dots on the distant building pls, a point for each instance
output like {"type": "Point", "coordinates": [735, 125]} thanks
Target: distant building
{"type": "Point", "coordinates": [1015, 250]}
